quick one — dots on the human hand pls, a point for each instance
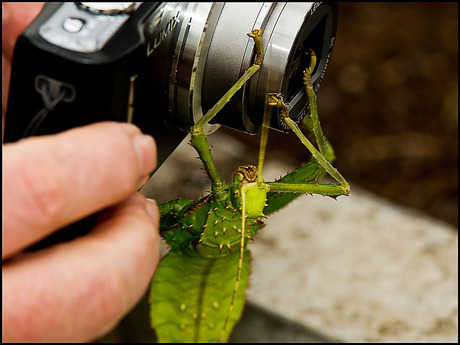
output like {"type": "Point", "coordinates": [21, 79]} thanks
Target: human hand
{"type": "Point", "coordinates": [77, 290]}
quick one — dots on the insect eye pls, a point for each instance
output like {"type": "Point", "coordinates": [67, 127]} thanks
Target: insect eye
{"type": "Point", "coordinates": [236, 193]}
{"type": "Point", "coordinates": [238, 176]}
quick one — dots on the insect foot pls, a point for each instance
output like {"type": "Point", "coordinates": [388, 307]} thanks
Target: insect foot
{"type": "Point", "coordinates": [277, 100]}
{"type": "Point", "coordinates": [256, 34]}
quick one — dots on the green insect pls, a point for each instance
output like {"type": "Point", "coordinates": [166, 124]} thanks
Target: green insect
{"type": "Point", "coordinates": [198, 291]}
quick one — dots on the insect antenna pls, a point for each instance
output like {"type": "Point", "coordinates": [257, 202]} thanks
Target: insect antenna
{"type": "Point", "coordinates": [264, 139]}
{"type": "Point", "coordinates": [240, 264]}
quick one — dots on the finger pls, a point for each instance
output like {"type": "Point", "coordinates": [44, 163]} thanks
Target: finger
{"type": "Point", "coordinates": [6, 72]}
{"type": "Point", "coordinates": [79, 290]}
{"type": "Point", "coordinates": [52, 181]}
{"type": "Point", "coordinates": [15, 18]}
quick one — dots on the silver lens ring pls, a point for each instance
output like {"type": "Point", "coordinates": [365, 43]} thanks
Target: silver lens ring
{"type": "Point", "coordinates": [189, 62]}
{"type": "Point", "coordinates": [230, 53]}
{"type": "Point", "coordinates": [213, 51]}
{"type": "Point", "coordinates": [293, 29]}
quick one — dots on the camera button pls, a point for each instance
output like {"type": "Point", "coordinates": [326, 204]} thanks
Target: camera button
{"type": "Point", "coordinates": [73, 24]}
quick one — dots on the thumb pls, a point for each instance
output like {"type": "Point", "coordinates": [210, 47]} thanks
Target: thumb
{"type": "Point", "coordinates": [52, 181]}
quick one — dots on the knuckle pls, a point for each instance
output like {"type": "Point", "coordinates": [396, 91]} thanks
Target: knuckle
{"type": "Point", "coordinates": [45, 197]}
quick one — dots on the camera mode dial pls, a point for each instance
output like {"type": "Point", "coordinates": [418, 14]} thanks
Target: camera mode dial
{"type": "Point", "coordinates": [107, 8]}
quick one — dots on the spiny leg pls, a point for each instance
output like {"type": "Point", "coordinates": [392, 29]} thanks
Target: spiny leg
{"type": "Point", "coordinates": [278, 102]}
{"type": "Point", "coordinates": [263, 144]}
{"type": "Point", "coordinates": [325, 189]}
{"type": "Point", "coordinates": [343, 189]}
{"type": "Point", "coordinates": [316, 126]}
{"type": "Point", "coordinates": [199, 140]}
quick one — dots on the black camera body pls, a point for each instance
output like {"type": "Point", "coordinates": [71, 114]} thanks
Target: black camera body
{"type": "Point", "coordinates": [161, 66]}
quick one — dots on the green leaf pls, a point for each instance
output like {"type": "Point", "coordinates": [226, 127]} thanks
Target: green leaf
{"type": "Point", "coordinates": [190, 297]}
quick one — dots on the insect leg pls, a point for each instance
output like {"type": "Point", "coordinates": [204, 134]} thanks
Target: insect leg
{"type": "Point", "coordinates": [309, 187]}
{"type": "Point", "coordinates": [256, 35]}
{"type": "Point", "coordinates": [171, 211]}
{"type": "Point", "coordinates": [263, 143]}
{"type": "Point", "coordinates": [198, 138]}
{"type": "Point", "coordinates": [344, 187]}
{"type": "Point", "coordinates": [316, 126]}
{"type": "Point", "coordinates": [200, 143]}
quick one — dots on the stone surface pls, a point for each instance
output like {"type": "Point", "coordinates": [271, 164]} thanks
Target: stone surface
{"type": "Point", "coordinates": [359, 270]}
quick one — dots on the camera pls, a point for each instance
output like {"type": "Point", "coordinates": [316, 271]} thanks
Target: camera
{"type": "Point", "coordinates": [162, 65]}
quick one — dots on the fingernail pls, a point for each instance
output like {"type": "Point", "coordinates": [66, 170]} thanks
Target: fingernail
{"type": "Point", "coordinates": [145, 149]}
{"type": "Point", "coordinates": [152, 209]}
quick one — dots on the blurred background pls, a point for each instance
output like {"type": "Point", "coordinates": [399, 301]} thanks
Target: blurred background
{"type": "Point", "coordinates": [389, 104]}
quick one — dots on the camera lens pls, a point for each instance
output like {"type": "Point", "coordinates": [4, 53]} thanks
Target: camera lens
{"type": "Point", "coordinates": [289, 31]}
{"type": "Point", "coordinates": [211, 50]}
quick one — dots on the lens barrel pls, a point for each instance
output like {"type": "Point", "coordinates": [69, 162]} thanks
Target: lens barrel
{"type": "Point", "coordinates": [217, 51]}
